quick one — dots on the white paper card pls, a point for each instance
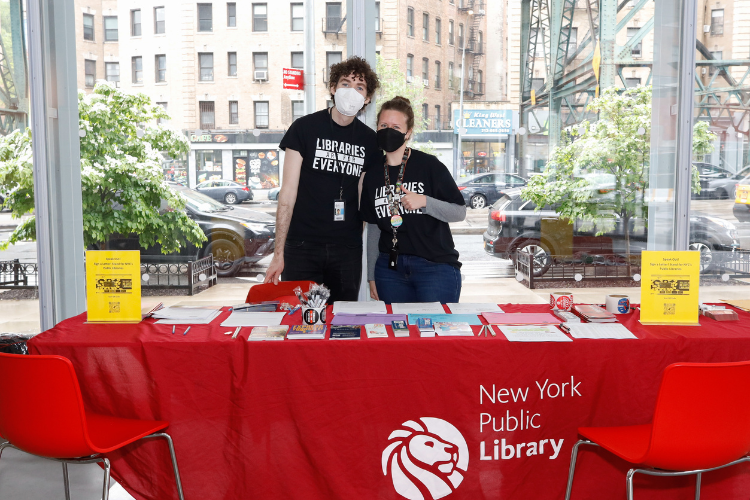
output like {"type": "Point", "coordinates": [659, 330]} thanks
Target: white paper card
{"type": "Point", "coordinates": [533, 333]}
{"type": "Point", "coordinates": [254, 319]}
{"type": "Point", "coordinates": [368, 307]}
{"type": "Point", "coordinates": [599, 331]}
{"type": "Point", "coordinates": [474, 308]}
{"type": "Point", "coordinates": [417, 308]}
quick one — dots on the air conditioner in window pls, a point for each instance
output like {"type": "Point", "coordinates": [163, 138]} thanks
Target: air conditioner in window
{"type": "Point", "coordinates": [408, 79]}
{"type": "Point", "coordinates": [706, 28]}
{"type": "Point", "coordinates": [261, 75]}
{"type": "Point", "coordinates": [481, 12]}
{"type": "Point", "coordinates": [426, 83]}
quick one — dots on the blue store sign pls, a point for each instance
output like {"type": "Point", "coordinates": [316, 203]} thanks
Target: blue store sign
{"type": "Point", "coordinates": [484, 122]}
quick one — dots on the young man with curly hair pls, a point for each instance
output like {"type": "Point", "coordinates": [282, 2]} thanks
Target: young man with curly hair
{"type": "Point", "coordinates": [318, 229]}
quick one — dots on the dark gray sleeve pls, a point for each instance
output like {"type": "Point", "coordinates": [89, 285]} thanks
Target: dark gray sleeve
{"type": "Point", "coordinates": [445, 211]}
{"type": "Point", "coordinates": [373, 236]}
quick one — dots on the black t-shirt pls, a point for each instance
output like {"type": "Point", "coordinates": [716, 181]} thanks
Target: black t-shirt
{"type": "Point", "coordinates": [420, 234]}
{"type": "Point", "coordinates": [327, 150]}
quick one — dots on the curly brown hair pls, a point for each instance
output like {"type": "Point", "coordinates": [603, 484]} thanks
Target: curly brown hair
{"type": "Point", "coordinates": [401, 104]}
{"type": "Point", "coordinates": [359, 67]}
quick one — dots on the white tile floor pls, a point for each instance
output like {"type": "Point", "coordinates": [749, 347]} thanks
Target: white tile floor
{"type": "Point", "coordinates": [26, 477]}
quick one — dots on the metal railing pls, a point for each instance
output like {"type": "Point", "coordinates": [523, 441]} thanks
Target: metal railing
{"type": "Point", "coordinates": [334, 25]}
{"type": "Point", "coordinates": [549, 268]}
{"type": "Point", "coordinates": [17, 274]}
{"type": "Point", "coordinates": [190, 275]}
{"type": "Point", "coordinates": [475, 47]}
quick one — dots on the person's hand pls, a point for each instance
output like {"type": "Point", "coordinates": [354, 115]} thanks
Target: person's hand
{"type": "Point", "coordinates": [412, 201]}
{"type": "Point", "coordinates": [373, 291]}
{"type": "Point", "coordinates": [274, 269]}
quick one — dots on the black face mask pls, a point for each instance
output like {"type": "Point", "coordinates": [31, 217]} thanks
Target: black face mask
{"type": "Point", "coordinates": [390, 139]}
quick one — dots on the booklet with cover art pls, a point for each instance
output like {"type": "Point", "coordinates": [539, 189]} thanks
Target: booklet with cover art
{"type": "Point", "coordinates": [376, 331]}
{"type": "Point", "coordinates": [346, 332]}
{"type": "Point", "coordinates": [307, 332]}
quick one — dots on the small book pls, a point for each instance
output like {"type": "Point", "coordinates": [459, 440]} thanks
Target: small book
{"type": "Point", "coordinates": [400, 329]}
{"type": "Point", "coordinates": [268, 332]}
{"type": "Point", "coordinates": [722, 315]}
{"type": "Point", "coordinates": [346, 332]}
{"type": "Point", "coordinates": [453, 329]}
{"type": "Point", "coordinates": [376, 331]}
{"type": "Point", "coordinates": [594, 314]}
{"type": "Point", "coordinates": [425, 324]}
{"type": "Point", "coordinates": [567, 317]}
{"type": "Point", "coordinates": [307, 332]}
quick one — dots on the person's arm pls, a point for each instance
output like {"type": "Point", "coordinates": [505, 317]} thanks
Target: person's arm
{"type": "Point", "coordinates": [284, 210]}
{"type": "Point", "coordinates": [444, 210]}
{"type": "Point", "coordinates": [373, 237]}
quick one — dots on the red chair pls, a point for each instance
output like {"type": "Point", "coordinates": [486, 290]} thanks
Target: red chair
{"type": "Point", "coordinates": [42, 413]}
{"type": "Point", "coordinates": [269, 291]}
{"type": "Point", "coordinates": [701, 423]}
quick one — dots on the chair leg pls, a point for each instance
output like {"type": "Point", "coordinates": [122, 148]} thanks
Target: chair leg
{"type": "Point", "coordinates": [3, 445]}
{"type": "Point", "coordinates": [105, 489]}
{"type": "Point", "coordinates": [66, 480]}
{"type": "Point", "coordinates": [698, 486]}
{"type": "Point", "coordinates": [573, 457]}
{"type": "Point", "coordinates": [170, 443]}
{"type": "Point", "coordinates": [629, 484]}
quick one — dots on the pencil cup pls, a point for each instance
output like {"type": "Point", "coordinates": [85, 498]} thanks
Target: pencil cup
{"type": "Point", "coordinates": [313, 315]}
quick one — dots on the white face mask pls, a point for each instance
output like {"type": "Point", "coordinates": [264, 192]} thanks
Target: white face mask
{"type": "Point", "coordinates": [348, 101]}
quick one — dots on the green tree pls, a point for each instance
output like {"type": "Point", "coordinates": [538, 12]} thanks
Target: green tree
{"type": "Point", "coordinates": [122, 184]}
{"type": "Point", "coordinates": [599, 173]}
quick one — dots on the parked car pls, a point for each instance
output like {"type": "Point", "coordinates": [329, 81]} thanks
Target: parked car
{"type": "Point", "coordinates": [229, 192]}
{"type": "Point", "coordinates": [514, 225]}
{"type": "Point", "coordinates": [741, 208]}
{"type": "Point", "coordinates": [717, 182]}
{"type": "Point", "coordinates": [236, 236]}
{"type": "Point", "coordinates": [485, 189]}
{"type": "Point", "coordinates": [273, 194]}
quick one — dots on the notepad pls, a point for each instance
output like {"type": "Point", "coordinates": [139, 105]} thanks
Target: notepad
{"type": "Point", "coordinates": [474, 308]}
{"type": "Point", "coordinates": [418, 308]}
{"type": "Point", "coordinates": [521, 319]}
{"type": "Point", "coordinates": [598, 331]}
{"type": "Point", "coordinates": [254, 319]}
{"type": "Point", "coordinates": [534, 333]}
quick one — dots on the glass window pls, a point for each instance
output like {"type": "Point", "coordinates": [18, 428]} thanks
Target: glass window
{"type": "Point", "coordinates": [450, 75]}
{"type": "Point", "coordinates": [450, 32]}
{"type": "Point", "coordinates": [298, 60]}
{"type": "Point", "coordinates": [410, 22]}
{"type": "Point", "coordinates": [161, 68]}
{"type": "Point", "coordinates": [438, 117]}
{"type": "Point", "coordinates": [207, 115]}
{"type": "Point", "coordinates": [110, 29]}
{"type": "Point", "coordinates": [90, 72]}
{"type": "Point", "coordinates": [298, 17]}
{"type": "Point", "coordinates": [112, 71]}
{"type": "Point", "coordinates": [378, 28]}
{"type": "Point", "coordinates": [426, 114]}
{"type": "Point", "coordinates": [717, 22]}
{"type": "Point", "coordinates": [573, 42]}
{"type": "Point", "coordinates": [260, 17]}
{"type": "Point", "coordinates": [426, 27]}
{"type": "Point", "coordinates": [234, 114]}
{"type": "Point", "coordinates": [632, 82]}
{"type": "Point", "coordinates": [261, 114]}
{"type": "Point", "coordinates": [207, 66]}
{"type": "Point", "coordinates": [137, 63]}
{"type": "Point", "coordinates": [135, 22]}
{"type": "Point", "coordinates": [409, 67]}
{"type": "Point", "coordinates": [260, 61]}
{"type": "Point", "coordinates": [438, 29]}
{"type": "Point", "coordinates": [460, 36]}
{"type": "Point", "coordinates": [636, 50]}
{"type": "Point", "coordinates": [717, 55]}
{"type": "Point", "coordinates": [231, 15]}
{"type": "Point", "coordinates": [88, 27]}
{"type": "Point", "coordinates": [334, 21]}
{"type": "Point", "coordinates": [159, 21]}
{"type": "Point", "coordinates": [425, 71]}
{"type": "Point", "coordinates": [232, 63]}
{"type": "Point", "coordinates": [331, 59]}
{"type": "Point", "coordinates": [537, 84]}
{"type": "Point", "coordinates": [298, 109]}
{"type": "Point", "coordinates": [437, 75]}
{"type": "Point", "coordinates": [205, 17]}
{"type": "Point", "coordinates": [162, 120]}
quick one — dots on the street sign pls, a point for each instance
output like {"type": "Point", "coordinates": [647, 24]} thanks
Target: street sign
{"type": "Point", "coordinates": [294, 79]}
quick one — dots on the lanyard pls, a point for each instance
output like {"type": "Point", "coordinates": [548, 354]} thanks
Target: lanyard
{"type": "Point", "coordinates": [393, 205]}
{"type": "Point", "coordinates": [336, 154]}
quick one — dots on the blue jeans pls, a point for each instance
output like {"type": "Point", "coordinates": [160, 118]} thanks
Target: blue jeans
{"type": "Point", "coordinates": [339, 267]}
{"type": "Point", "coordinates": [416, 280]}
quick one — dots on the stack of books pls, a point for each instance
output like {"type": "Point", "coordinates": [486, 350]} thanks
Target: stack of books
{"type": "Point", "coordinates": [400, 328]}
{"type": "Point", "coordinates": [426, 327]}
{"type": "Point", "coordinates": [594, 314]}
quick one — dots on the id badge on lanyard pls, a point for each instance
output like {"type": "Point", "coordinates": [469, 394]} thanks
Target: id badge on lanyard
{"type": "Point", "coordinates": [338, 210]}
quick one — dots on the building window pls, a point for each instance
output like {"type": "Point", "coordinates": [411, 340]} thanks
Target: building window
{"type": "Point", "coordinates": [234, 113]}
{"type": "Point", "coordinates": [207, 66]}
{"type": "Point", "coordinates": [717, 22]}
{"type": "Point", "coordinates": [207, 115]}
{"type": "Point", "coordinates": [137, 63]}
{"type": "Point", "coordinates": [425, 71]}
{"type": "Point", "coordinates": [426, 114]}
{"type": "Point", "coordinates": [717, 55]}
{"type": "Point", "coordinates": [90, 72]}
{"type": "Point", "coordinates": [298, 109]}
{"type": "Point", "coordinates": [260, 17]}
{"type": "Point", "coordinates": [450, 75]}
{"type": "Point", "coordinates": [426, 27]}
{"type": "Point", "coordinates": [437, 75]}
{"type": "Point", "coordinates": [632, 82]}
{"type": "Point", "coordinates": [205, 17]}
{"type": "Point", "coordinates": [231, 15]}
{"type": "Point", "coordinates": [110, 29]}
{"type": "Point", "coordinates": [298, 17]}
{"type": "Point", "coordinates": [437, 117]}
{"type": "Point", "coordinates": [88, 27]}
{"type": "Point", "coordinates": [573, 41]}
{"type": "Point", "coordinates": [260, 61]}
{"type": "Point", "coordinates": [159, 21]}
{"type": "Point", "coordinates": [460, 36]}
{"type": "Point", "coordinates": [537, 84]}
{"type": "Point", "coordinates": [438, 29]}
{"type": "Point", "coordinates": [298, 60]}
{"type": "Point", "coordinates": [159, 121]}
{"type": "Point", "coordinates": [261, 114]}
{"type": "Point", "coordinates": [410, 21]}
{"type": "Point", "coordinates": [135, 22]}
{"type": "Point", "coordinates": [161, 68]}
{"type": "Point", "coordinates": [112, 71]}
{"type": "Point", "coordinates": [409, 67]}
{"type": "Point", "coordinates": [331, 59]}
{"type": "Point", "coordinates": [232, 63]}
{"type": "Point", "coordinates": [378, 29]}
{"type": "Point", "coordinates": [334, 21]}
{"type": "Point", "coordinates": [450, 32]}
{"type": "Point", "coordinates": [636, 50]}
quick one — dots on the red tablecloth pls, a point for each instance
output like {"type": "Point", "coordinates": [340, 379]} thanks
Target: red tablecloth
{"type": "Point", "coordinates": [311, 419]}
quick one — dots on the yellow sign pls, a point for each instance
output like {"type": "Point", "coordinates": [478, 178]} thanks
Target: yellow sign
{"type": "Point", "coordinates": [596, 60]}
{"type": "Point", "coordinates": [533, 97]}
{"type": "Point", "coordinates": [113, 286]}
{"type": "Point", "coordinates": [669, 288]}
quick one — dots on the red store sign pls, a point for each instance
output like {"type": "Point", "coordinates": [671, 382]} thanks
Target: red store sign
{"type": "Point", "coordinates": [294, 79]}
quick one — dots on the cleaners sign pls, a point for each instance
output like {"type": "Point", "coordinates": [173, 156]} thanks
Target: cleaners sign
{"type": "Point", "coordinates": [484, 122]}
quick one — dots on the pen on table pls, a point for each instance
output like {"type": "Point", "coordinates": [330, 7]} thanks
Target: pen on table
{"type": "Point", "coordinates": [173, 328]}
{"type": "Point", "coordinates": [293, 310]}
{"type": "Point", "coordinates": [236, 332]}
{"type": "Point", "coordinates": [188, 329]}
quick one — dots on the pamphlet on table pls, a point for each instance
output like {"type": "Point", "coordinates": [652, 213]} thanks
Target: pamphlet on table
{"type": "Point", "coordinates": [598, 331]}
{"type": "Point", "coordinates": [472, 319]}
{"type": "Point", "coordinates": [315, 332]}
{"type": "Point", "coordinates": [364, 319]}
{"type": "Point", "coordinates": [521, 319]}
{"type": "Point", "coordinates": [453, 329]}
{"type": "Point", "coordinates": [417, 308]}
{"type": "Point", "coordinates": [268, 332]}
{"type": "Point", "coordinates": [346, 332]}
{"type": "Point", "coordinates": [533, 333]}
{"type": "Point", "coordinates": [473, 307]}
{"type": "Point", "coordinates": [254, 319]}
{"type": "Point", "coordinates": [376, 331]}
{"type": "Point", "coordinates": [187, 315]}
{"type": "Point", "coordinates": [365, 307]}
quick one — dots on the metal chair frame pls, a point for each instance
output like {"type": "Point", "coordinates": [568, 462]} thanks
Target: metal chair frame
{"type": "Point", "coordinates": [649, 471]}
{"type": "Point", "coordinates": [98, 458]}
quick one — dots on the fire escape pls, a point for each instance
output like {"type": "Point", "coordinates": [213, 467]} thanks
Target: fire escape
{"type": "Point", "coordinates": [474, 49]}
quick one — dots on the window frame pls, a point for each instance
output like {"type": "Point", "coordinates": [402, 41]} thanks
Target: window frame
{"type": "Point", "coordinates": [158, 70]}
{"type": "Point", "coordinates": [451, 33]}
{"type": "Point", "coordinates": [229, 64]}
{"type": "Point", "coordinates": [438, 31]}
{"type": "Point", "coordinates": [257, 19]}
{"type": "Point", "coordinates": [717, 28]}
{"type": "Point", "coordinates": [300, 54]}
{"type": "Point", "coordinates": [106, 30]}
{"type": "Point", "coordinates": [255, 62]}
{"type": "Point", "coordinates": [256, 115]}
{"type": "Point", "coordinates": [156, 20]}
{"type": "Point", "coordinates": [234, 116]}
{"type": "Point", "coordinates": [93, 31]}
{"type": "Point", "coordinates": [203, 108]}
{"type": "Point", "coordinates": [409, 66]}
{"type": "Point", "coordinates": [87, 64]}
{"type": "Point", "coordinates": [426, 71]}
{"type": "Point", "coordinates": [107, 65]}
{"type": "Point", "coordinates": [135, 71]}
{"type": "Point", "coordinates": [300, 103]}
{"type": "Point", "coordinates": [410, 22]}
{"type": "Point", "coordinates": [425, 26]}
{"type": "Point", "coordinates": [133, 31]}
{"type": "Point", "coordinates": [205, 22]}
{"type": "Point", "coordinates": [231, 14]}
{"type": "Point", "coordinates": [292, 18]}
{"type": "Point", "coordinates": [438, 71]}
{"type": "Point", "coordinates": [201, 67]}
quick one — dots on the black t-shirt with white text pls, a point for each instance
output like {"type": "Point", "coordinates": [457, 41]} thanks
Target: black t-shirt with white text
{"type": "Point", "coordinates": [421, 235]}
{"type": "Point", "coordinates": [330, 153]}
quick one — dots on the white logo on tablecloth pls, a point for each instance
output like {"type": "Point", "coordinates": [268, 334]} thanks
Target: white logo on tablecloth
{"type": "Point", "coordinates": [424, 459]}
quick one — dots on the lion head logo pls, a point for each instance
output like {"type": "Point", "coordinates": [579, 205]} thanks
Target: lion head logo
{"type": "Point", "coordinates": [425, 459]}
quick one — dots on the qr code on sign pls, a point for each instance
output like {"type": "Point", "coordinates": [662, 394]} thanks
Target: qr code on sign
{"type": "Point", "coordinates": [669, 308]}
{"type": "Point", "coordinates": [114, 307]}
